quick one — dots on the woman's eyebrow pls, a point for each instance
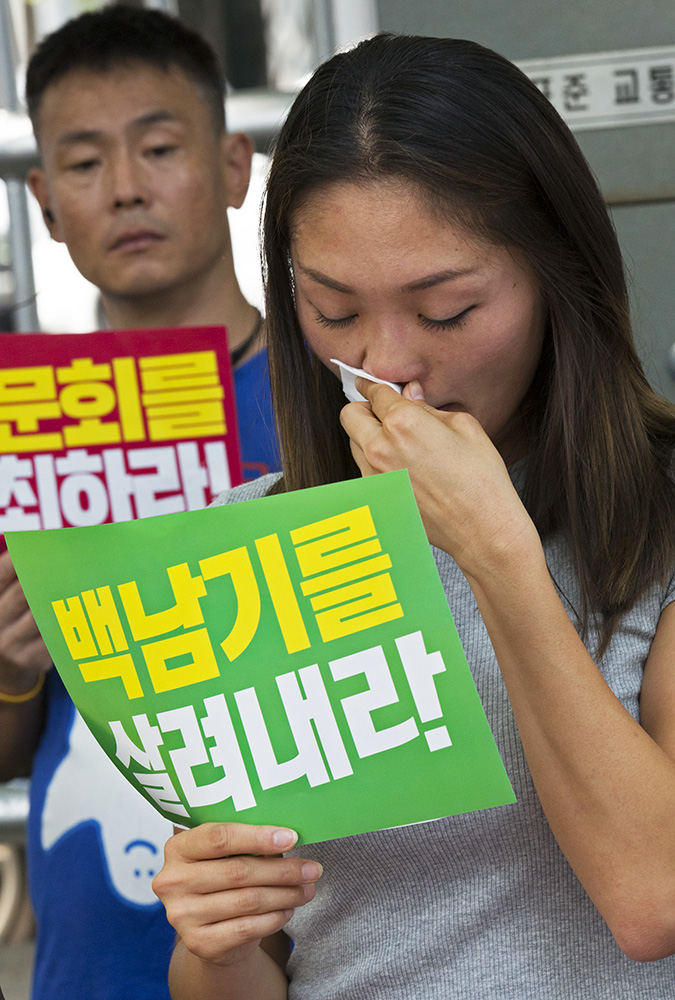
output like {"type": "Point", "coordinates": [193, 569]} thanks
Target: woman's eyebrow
{"type": "Point", "coordinates": [323, 279]}
{"type": "Point", "coordinates": [439, 278]}
{"type": "Point", "coordinates": [428, 281]}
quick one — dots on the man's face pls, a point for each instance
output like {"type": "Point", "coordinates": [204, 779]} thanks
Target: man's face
{"type": "Point", "coordinates": [137, 178]}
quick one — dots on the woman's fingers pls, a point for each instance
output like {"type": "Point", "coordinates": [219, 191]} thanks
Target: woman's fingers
{"type": "Point", "coordinates": [463, 491]}
{"type": "Point", "coordinates": [246, 870]}
{"type": "Point", "coordinates": [218, 840]}
{"type": "Point", "coordinates": [233, 904]}
{"type": "Point", "coordinates": [394, 432]}
{"type": "Point", "coordinates": [224, 943]}
{"type": "Point", "coordinates": [383, 399]}
{"type": "Point", "coordinates": [225, 887]}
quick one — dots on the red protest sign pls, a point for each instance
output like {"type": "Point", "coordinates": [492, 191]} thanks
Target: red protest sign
{"type": "Point", "coordinates": [114, 425]}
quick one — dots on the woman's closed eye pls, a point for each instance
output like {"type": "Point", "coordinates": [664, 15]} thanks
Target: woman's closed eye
{"type": "Point", "coordinates": [426, 321]}
{"type": "Point", "coordinates": [444, 324]}
{"type": "Point", "coordinates": [333, 324]}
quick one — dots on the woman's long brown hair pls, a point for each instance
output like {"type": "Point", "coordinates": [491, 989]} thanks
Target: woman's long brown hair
{"type": "Point", "coordinates": [485, 149]}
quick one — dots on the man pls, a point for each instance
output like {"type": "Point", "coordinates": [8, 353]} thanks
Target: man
{"type": "Point", "coordinates": [137, 175]}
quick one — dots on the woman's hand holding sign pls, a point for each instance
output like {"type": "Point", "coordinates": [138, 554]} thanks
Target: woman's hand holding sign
{"type": "Point", "coordinates": [468, 504]}
{"type": "Point", "coordinates": [226, 889]}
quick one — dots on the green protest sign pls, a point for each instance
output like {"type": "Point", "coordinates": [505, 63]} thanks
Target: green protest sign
{"type": "Point", "coordinates": [287, 660]}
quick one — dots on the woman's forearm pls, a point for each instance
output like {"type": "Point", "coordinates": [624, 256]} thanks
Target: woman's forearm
{"type": "Point", "coordinates": [607, 788]}
{"type": "Point", "coordinates": [258, 977]}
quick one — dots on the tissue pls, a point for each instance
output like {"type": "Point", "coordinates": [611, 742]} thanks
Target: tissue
{"type": "Point", "coordinates": [349, 376]}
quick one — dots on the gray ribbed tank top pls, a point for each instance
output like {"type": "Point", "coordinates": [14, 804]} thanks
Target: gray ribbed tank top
{"type": "Point", "coordinates": [482, 906]}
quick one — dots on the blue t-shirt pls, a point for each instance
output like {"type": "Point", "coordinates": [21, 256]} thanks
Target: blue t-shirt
{"type": "Point", "coordinates": [92, 854]}
{"type": "Point", "coordinates": [93, 843]}
{"type": "Point", "coordinates": [257, 435]}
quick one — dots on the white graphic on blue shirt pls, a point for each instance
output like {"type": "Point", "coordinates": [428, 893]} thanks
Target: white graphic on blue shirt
{"type": "Point", "coordinates": [87, 787]}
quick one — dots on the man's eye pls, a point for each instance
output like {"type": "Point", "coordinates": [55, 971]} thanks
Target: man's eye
{"type": "Point", "coordinates": [333, 324]}
{"type": "Point", "coordinates": [444, 324]}
{"type": "Point", "coordinates": [83, 166]}
{"type": "Point", "coordinates": [158, 152]}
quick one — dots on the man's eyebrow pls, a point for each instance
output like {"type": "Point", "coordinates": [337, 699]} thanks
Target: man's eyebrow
{"type": "Point", "coordinates": [94, 135]}
{"type": "Point", "coordinates": [154, 118]}
{"type": "Point", "coordinates": [428, 281]}
{"type": "Point", "coordinates": [79, 135]}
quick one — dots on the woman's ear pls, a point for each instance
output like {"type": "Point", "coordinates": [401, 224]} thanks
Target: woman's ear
{"type": "Point", "coordinates": [237, 158]}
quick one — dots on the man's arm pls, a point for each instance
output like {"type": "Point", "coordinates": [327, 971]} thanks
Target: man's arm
{"type": "Point", "coordinates": [23, 662]}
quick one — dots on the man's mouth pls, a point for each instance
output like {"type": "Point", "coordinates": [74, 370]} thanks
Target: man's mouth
{"type": "Point", "coordinates": [136, 240]}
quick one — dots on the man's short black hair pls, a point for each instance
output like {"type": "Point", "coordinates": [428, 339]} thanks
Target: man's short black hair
{"type": "Point", "coordinates": [119, 34]}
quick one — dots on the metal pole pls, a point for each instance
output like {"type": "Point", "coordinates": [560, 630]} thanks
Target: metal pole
{"type": "Point", "coordinates": [168, 6]}
{"type": "Point", "coordinates": [325, 29]}
{"type": "Point", "coordinates": [24, 309]}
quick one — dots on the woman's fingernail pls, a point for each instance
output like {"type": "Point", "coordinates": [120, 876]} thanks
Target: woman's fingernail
{"type": "Point", "coordinates": [284, 839]}
{"type": "Point", "coordinates": [311, 871]}
{"type": "Point", "coordinates": [415, 390]}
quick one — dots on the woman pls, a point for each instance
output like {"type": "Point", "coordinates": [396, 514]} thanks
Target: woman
{"type": "Point", "coordinates": [431, 220]}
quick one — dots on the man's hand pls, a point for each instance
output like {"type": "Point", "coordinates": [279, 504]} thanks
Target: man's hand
{"type": "Point", "coordinates": [23, 654]}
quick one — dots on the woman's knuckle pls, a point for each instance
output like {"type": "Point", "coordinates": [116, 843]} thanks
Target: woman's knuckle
{"type": "Point", "coordinates": [401, 420]}
{"type": "Point", "coordinates": [238, 870]}
{"type": "Point", "coordinates": [177, 915]}
{"type": "Point", "coordinates": [245, 929]}
{"type": "Point", "coordinates": [166, 881]}
{"type": "Point", "coordinates": [290, 871]}
{"type": "Point", "coordinates": [220, 837]}
{"type": "Point", "coordinates": [160, 883]}
{"type": "Point", "coordinates": [376, 454]}
{"type": "Point", "coordinates": [171, 847]}
{"type": "Point", "coordinates": [194, 942]}
{"type": "Point", "coordinates": [463, 422]}
{"type": "Point", "coordinates": [250, 899]}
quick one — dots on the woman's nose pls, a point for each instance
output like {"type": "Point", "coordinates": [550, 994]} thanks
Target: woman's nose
{"type": "Point", "coordinates": [390, 353]}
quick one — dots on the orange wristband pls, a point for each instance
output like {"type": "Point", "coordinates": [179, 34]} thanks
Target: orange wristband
{"type": "Point", "coordinates": [16, 699]}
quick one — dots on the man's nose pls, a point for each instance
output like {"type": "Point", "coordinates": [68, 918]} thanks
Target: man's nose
{"type": "Point", "coordinates": [127, 187]}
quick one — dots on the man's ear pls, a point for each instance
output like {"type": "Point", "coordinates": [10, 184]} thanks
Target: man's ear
{"type": "Point", "coordinates": [37, 182]}
{"type": "Point", "coordinates": [237, 157]}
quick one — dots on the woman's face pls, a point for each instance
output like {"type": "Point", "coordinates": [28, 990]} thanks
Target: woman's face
{"type": "Point", "coordinates": [383, 284]}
